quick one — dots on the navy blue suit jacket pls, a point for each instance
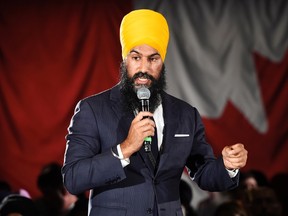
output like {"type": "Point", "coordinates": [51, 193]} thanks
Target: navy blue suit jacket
{"type": "Point", "coordinates": [100, 123]}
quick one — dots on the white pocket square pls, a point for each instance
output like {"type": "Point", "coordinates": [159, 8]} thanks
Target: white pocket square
{"type": "Point", "coordinates": [181, 135]}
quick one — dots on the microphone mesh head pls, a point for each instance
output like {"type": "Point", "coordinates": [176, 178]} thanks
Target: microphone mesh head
{"type": "Point", "coordinates": [143, 93]}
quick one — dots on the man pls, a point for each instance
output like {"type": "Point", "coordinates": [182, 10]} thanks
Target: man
{"type": "Point", "coordinates": [105, 152]}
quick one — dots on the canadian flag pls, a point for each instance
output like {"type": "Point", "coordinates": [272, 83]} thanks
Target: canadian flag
{"type": "Point", "coordinates": [230, 60]}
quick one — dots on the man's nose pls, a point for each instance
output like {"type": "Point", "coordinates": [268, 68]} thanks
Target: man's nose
{"type": "Point", "coordinates": [145, 65]}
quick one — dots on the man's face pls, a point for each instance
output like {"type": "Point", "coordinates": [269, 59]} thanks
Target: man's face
{"type": "Point", "coordinates": [143, 60]}
{"type": "Point", "coordinates": [143, 66]}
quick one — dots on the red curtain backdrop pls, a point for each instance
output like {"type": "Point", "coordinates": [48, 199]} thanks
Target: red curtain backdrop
{"type": "Point", "coordinates": [53, 53]}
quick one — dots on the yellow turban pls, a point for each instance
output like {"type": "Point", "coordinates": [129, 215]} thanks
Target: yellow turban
{"type": "Point", "coordinates": [144, 27]}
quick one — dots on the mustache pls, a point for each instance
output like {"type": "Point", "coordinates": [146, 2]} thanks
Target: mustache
{"type": "Point", "coordinates": [141, 74]}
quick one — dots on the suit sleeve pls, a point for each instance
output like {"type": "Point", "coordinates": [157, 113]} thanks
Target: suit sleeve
{"type": "Point", "coordinates": [86, 166]}
{"type": "Point", "coordinates": [204, 168]}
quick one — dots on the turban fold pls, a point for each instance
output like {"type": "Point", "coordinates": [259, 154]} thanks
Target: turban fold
{"type": "Point", "coordinates": [144, 27]}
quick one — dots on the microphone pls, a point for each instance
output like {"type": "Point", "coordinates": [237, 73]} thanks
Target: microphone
{"type": "Point", "coordinates": [143, 95]}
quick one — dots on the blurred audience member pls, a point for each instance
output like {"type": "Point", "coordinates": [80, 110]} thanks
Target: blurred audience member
{"type": "Point", "coordinates": [262, 201]}
{"type": "Point", "coordinates": [5, 190]}
{"type": "Point", "coordinates": [253, 179]}
{"type": "Point", "coordinates": [230, 208]}
{"type": "Point", "coordinates": [186, 196]}
{"type": "Point", "coordinates": [248, 180]}
{"type": "Point", "coordinates": [208, 206]}
{"type": "Point", "coordinates": [81, 206]}
{"type": "Point", "coordinates": [17, 205]}
{"type": "Point", "coordinates": [55, 199]}
{"type": "Point", "coordinates": [279, 183]}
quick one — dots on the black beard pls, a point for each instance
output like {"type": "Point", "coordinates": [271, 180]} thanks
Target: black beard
{"type": "Point", "coordinates": [128, 89]}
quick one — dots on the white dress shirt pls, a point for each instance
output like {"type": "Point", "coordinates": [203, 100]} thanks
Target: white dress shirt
{"type": "Point", "coordinates": [159, 121]}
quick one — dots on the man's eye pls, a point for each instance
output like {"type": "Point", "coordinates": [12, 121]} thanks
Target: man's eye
{"type": "Point", "coordinates": [153, 59]}
{"type": "Point", "coordinates": [136, 58]}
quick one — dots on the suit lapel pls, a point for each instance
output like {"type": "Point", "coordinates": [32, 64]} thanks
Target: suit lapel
{"type": "Point", "coordinates": [123, 117]}
{"type": "Point", "coordinates": [117, 102]}
{"type": "Point", "coordinates": [171, 122]}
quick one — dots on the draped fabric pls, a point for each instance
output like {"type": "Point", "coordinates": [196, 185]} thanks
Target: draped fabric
{"type": "Point", "coordinates": [52, 54]}
{"type": "Point", "coordinates": [227, 58]}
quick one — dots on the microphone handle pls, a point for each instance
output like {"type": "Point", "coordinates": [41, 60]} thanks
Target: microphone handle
{"type": "Point", "coordinates": [147, 140]}
{"type": "Point", "coordinates": [147, 144]}
{"type": "Point", "coordinates": [145, 105]}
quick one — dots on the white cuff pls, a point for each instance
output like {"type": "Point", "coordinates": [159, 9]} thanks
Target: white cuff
{"type": "Point", "coordinates": [232, 173]}
{"type": "Point", "coordinates": [124, 161]}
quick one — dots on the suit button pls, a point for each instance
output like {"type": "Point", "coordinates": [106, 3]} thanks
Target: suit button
{"type": "Point", "coordinates": [149, 211]}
